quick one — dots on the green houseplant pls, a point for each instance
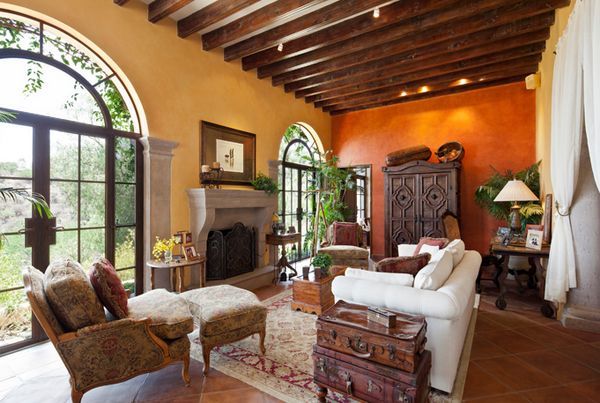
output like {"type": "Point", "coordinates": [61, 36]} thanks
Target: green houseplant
{"type": "Point", "coordinates": [322, 261]}
{"type": "Point", "coordinates": [263, 182]}
{"type": "Point", "coordinates": [486, 193]}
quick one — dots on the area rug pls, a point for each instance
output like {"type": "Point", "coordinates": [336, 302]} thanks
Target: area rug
{"type": "Point", "coordinates": [286, 371]}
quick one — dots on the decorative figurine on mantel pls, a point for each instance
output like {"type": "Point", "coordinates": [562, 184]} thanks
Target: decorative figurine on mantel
{"type": "Point", "coordinates": [210, 176]}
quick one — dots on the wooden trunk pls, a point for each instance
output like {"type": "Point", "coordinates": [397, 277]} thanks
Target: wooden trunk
{"type": "Point", "coordinates": [406, 155]}
{"type": "Point", "coordinates": [346, 328]}
{"type": "Point", "coordinates": [314, 295]}
{"type": "Point", "coordinates": [417, 194]}
{"type": "Point", "coordinates": [369, 381]}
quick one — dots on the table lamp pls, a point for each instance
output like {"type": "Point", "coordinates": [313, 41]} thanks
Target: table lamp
{"type": "Point", "coordinates": [515, 191]}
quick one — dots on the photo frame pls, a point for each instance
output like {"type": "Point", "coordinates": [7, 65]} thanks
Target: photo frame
{"type": "Point", "coordinates": [190, 253]}
{"type": "Point", "coordinates": [534, 239]}
{"type": "Point", "coordinates": [234, 150]}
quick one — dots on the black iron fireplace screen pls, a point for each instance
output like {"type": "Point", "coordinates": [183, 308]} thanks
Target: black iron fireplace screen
{"type": "Point", "coordinates": [230, 252]}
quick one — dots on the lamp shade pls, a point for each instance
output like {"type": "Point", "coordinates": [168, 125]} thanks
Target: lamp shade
{"type": "Point", "coordinates": [515, 191]}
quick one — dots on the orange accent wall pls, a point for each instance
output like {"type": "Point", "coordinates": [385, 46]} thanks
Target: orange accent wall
{"type": "Point", "coordinates": [495, 125]}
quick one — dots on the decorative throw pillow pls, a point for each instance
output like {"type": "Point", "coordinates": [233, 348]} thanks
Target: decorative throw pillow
{"type": "Point", "coordinates": [405, 264]}
{"type": "Point", "coordinates": [457, 248]}
{"type": "Point", "coordinates": [345, 233]}
{"type": "Point", "coordinates": [439, 242]}
{"type": "Point", "coordinates": [71, 295]}
{"type": "Point", "coordinates": [109, 288]}
{"type": "Point", "coordinates": [435, 273]}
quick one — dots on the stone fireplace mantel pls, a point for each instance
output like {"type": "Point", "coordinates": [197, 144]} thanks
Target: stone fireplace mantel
{"type": "Point", "coordinates": [219, 209]}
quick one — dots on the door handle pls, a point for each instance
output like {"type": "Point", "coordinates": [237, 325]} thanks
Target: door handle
{"type": "Point", "coordinates": [25, 230]}
{"type": "Point", "coordinates": [59, 228]}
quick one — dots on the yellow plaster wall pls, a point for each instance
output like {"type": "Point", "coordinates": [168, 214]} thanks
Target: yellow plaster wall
{"type": "Point", "coordinates": [543, 97]}
{"type": "Point", "coordinates": [179, 84]}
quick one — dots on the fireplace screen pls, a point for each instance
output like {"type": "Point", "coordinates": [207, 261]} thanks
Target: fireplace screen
{"type": "Point", "coordinates": [230, 252]}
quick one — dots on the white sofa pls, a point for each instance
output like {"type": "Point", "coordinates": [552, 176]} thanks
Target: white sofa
{"type": "Point", "coordinates": [447, 310]}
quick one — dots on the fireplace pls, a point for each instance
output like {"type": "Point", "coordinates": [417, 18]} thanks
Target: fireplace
{"type": "Point", "coordinates": [230, 252]}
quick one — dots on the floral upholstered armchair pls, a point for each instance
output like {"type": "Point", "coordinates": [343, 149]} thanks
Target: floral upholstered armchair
{"type": "Point", "coordinates": [112, 351]}
{"type": "Point", "coordinates": [345, 245]}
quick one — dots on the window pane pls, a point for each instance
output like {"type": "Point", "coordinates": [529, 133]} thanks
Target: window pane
{"type": "Point", "coordinates": [124, 160]}
{"type": "Point", "coordinates": [15, 317]}
{"type": "Point", "coordinates": [32, 86]}
{"type": "Point", "coordinates": [124, 247]}
{"type": "Point", "coordinates": [125, 204]}
{"type": "Point", "coordinates": [128, 279]}
{"type": "Point", "coordinates": [13, 256]}
{"type": "Point", "coordinates": [92, 246]}
{"type": "Point", "coordinates": [92, 204]}
{"type": "Point", "coordinates": [119, 110]}
{"type": "Point", "coordinates": [13, 213]}
{"type": "Point", "coordinates": [15, 150]}
{"type": "Point", "coordinates": [17, 32]}
{"type": "Point", "coordinates": [65, 247]}
{"type": "Point", "coordinates": [63, 203]}
{"type": "Point", "coordinates": [64, 155]}
{"type": "Point", "coordinates": [93, 158]}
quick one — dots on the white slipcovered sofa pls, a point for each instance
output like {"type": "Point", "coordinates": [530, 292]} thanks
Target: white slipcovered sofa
{"type": "Point", "coordinates": [447, 310]}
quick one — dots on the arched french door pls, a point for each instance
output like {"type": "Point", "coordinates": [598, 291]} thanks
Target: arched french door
{"type": "Point", "coordinates": [70, 132]}
{"type": "Point", "coordinates": [298, 152]}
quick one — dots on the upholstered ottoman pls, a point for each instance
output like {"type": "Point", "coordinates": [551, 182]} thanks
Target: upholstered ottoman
{"type": "Point", "coordinates": [226, 314]}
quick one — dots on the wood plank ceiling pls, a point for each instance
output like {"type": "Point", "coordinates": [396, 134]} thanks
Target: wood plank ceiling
{"type": "Point", "coordinates": [349, 55]}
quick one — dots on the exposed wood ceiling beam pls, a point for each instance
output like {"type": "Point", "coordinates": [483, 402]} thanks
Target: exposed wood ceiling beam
{"type": "Point", "coordinates": [210, 15]}
{"type": "Point", "coordinates": [350, 28]}
{"type": "Point", "coordinates": [160, 9]}
{"type": "Point", "coordinates": [405, 48]}
{"type": "Point", "coordinates": [261, 18]}
{"type": "Point", "coordinates": [418, 59]}
{"type": "Point", "coordinates": [395, 87]}
{"type": "Point", "coordinates": [434, 93]}
{"type": "Point", "coordinates": [418, 88]}
{"type": "Point", "coordinates": [450, 21]}
{"type": "Point", "coordinates": [527, 54]}
{"type": "Point", "coordinates": [301, 26]}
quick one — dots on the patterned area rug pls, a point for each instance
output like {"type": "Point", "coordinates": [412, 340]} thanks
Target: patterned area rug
{"type": "Point", "coordinates": [286, 371]}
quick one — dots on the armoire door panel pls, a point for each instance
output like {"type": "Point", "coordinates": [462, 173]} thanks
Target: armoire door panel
{"type": "Point", "coordinates": [403, 197]}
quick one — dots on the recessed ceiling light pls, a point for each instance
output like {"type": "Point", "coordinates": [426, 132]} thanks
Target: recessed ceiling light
{"type": "Point", "coordinates": [376, 13]}
{"type": "Point", "coordinates": [481, 79]}
{"type": "Point", "coordinates": [424, 89]}
{"type": "Point", "coordinates": [403, 94]}
{"type": "Point", "coordinates": [463, 81]}
{"type": "Point", "coordinates": [280, 47]}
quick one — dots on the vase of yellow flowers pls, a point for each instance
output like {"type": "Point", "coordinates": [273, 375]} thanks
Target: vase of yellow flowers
{"type": "Point", "coordinates": [163, 248]}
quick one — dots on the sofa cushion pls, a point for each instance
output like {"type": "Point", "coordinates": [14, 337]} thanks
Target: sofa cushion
{"type": "Point", "coordinates": [439, 242]}
{"type": "Point", "coordinates": [224, 308]}
{"type": "Point", "coordinates": [403, 264]}
{"type": "Point", "coordinates": [170, 315]}
{"type": "Point", "coordinates": [457, 248]}
{"type": "Point", "coordinates": [435, 274]}
{"type": "Point", "coordinates": [71, 295]}
{"type": "Point", "coordinates": [345, 251]}
{"type": "Point", "coordinates": [387, 278]}
{"type": "Point", "coordinates": [406, 249]}
{"type": "Point", "coordinates": [109, 288]}
{"type": "Point", "coordinates": [345, 233]}
{"type": "Point", "coordinates": [36, 281]}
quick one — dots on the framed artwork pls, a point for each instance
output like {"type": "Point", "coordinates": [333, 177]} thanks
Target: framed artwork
{"type": "Point", "coordinates": [178, 238]}
{"type": "Point", "coordinates": [190, 252]}
{"type": "Point", "coordinates": [534, 239]}
{"type": "Point", "coordinates": [234, 150]}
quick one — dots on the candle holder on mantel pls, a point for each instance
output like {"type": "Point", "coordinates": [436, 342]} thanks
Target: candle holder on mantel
{"type": "Point", "coordinates": [211, 179]}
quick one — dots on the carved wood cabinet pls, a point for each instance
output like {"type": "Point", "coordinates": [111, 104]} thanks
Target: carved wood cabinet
{"type": "Point", "coordinates": [416, 195]}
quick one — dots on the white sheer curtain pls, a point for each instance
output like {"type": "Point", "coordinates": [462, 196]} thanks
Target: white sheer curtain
{"type": "Point", "coordinates": [566, 131]}
{"type": "Point", "coordinates": [575, 99]}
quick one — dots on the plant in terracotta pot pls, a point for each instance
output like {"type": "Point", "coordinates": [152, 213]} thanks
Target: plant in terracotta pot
{"type": "Point", "coordinates": [323, 262]}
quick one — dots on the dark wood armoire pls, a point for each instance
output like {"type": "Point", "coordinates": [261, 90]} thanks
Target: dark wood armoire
{"type": "Point", "coordinates": [416, 195]}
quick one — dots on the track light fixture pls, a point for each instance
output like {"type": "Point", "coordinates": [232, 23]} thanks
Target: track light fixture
{"type": "Point", "coordinates": [376, 12]}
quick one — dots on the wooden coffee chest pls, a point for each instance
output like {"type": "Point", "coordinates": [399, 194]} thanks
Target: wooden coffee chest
{"type": "Point", "coordinates": [369, 381]}
{"type": "Point", "coordinates": [345, 328]}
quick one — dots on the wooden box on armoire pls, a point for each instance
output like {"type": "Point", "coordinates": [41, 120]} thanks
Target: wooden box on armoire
{"type": "Point", "coordinates": [416, 195]}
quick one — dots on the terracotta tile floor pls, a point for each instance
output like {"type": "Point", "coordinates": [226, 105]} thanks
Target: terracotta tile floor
{"type": "Point", "coordinates": [518, 356]}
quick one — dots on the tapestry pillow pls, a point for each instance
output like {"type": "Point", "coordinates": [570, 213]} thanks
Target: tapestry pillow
{"type": "Point", "coordinates": [457, 248]}
{"type": "Point", "coordinates": [404, 264]}
{"type": "Point", "coordinates": [109, 287]}
{"type": "Point", "coordinates": [439, 242]}
{"type": "Point", "coordinates": [387, 278]}
{"type": "Point", "coordinates": [345, 233]}
{"type": "Point", "coordinates": [71, 295]}
{"type": "Point", "coordinates": [435, 274]}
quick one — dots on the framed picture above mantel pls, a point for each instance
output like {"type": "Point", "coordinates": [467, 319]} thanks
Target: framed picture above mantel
{"type": "Point", "coordinates": [233, 150]}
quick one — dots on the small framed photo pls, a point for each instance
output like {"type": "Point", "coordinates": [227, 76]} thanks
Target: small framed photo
{"type": "Point", "coordinates": [190, 252]}
{"type": "Point", "coordinates": [178, 238]}
{"type": "Point", "coordinates": [187, 237]}
{"type": "Point", "coordinates": [539, 227]}
{"type": "Point", "coordinates": [534, 239]}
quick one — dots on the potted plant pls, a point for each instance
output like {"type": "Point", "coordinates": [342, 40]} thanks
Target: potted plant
{"type": "Point", "coordinates": [163, 248]}
{"type": "Point", "coordinates": [321, 262]}
{"type": "Point", "coordinates": [263, 182]}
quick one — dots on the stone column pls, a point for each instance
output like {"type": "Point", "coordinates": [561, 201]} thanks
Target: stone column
{"type": "Point", "coordinates": [582, 310]}
{"type": "Point", "coordinates": [157, 201]}
{"type": "Point", "coordinates": [274, 168]}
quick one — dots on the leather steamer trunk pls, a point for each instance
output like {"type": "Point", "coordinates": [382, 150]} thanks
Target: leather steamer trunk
{"type": "Point", "coordinates": [369, 381]}
{"type": "Point", "coordinates": [345, 328]}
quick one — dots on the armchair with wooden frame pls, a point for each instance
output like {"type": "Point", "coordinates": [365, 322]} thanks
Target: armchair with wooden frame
{"type": "Point", "coordinates": [105, 353]}
{"type": "Point", "coordinates": [356, 256]}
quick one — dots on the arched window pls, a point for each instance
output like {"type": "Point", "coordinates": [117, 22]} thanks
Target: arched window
{"type": "Point", "coordinates": [299, 151]}
{"type": "Point", "coordinates": [70, 132]}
